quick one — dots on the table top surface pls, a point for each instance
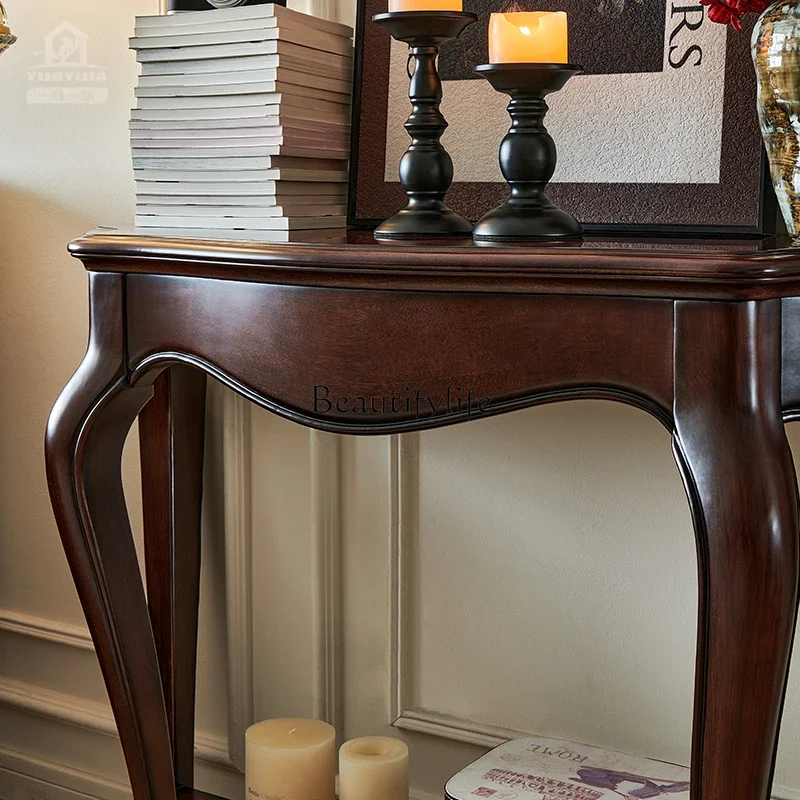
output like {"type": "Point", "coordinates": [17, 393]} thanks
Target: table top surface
{"type": "Point", "coordinates": [664, 266]}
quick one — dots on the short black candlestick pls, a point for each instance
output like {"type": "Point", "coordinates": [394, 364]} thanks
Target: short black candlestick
{"type": "Point", "coordinates": [527, 156]}
{"type": "Point", "coordinates": [426, 169]}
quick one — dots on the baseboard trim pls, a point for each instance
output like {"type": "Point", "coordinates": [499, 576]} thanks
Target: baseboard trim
{"type": "Point", "coordinates": [23, 776]}
{"type": "Point", "coordinates": [93, 716]}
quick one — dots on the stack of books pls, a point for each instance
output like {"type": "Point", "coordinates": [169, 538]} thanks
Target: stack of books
{"type": "Point", "coordinates": [242, 120]}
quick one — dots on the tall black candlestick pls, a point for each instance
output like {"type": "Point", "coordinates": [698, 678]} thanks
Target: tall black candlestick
{"type": "Point", "coordinates": [426, 169]}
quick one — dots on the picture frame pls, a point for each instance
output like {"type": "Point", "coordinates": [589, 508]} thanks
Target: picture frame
{"type": "Point", "coordinates": [712, 182]}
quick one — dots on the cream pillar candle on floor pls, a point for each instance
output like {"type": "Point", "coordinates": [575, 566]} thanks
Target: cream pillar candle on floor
{"type": "Point", "coordinates": [291, 759]}
{"type": "Point", "coordinates": [373, 768]}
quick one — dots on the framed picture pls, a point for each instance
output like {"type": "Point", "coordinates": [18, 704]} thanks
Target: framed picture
{"type": "Point", "coordinates": [659, 134]}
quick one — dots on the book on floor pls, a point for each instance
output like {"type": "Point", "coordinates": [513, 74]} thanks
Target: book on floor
{"type": "Point", "coordinates": [537, 768]}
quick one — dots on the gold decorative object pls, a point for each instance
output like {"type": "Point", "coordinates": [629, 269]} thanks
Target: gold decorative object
{"type": "Point", "coordinates": [776, 39]}
{"type": "Point", "coordinates": [6, 37]}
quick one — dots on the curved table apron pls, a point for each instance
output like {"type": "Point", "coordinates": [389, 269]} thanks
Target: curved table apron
{"type": "Point", "coordinates": [703, 335]}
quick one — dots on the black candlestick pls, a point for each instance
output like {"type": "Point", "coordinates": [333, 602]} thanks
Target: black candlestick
{"type": "Point", "coordinates": [527, 156]}
{"type": "Point", "coordinates": [426, 169]}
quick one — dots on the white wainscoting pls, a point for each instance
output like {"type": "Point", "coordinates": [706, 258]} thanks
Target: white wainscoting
{"type": "Point", "coordinates": [404, 471]}
{"type": "Point", "coordinates": [57, 736]}
{"type": "Point", "coordinates": [236, 451]}
{"type": "Point", "coordinates": [440, 742]}
{"type": "Point", "coordinates": [56, 720]}
{"type": "Point", "coordinates": [220, 758]}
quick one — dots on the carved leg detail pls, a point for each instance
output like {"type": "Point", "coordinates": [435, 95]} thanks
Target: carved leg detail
{"type": "Point", "coordinates": [85, 436]}
{"type": "Point", "coordinates": [732, 450]}
{"type": "Point", "coordinates": [171, 433]}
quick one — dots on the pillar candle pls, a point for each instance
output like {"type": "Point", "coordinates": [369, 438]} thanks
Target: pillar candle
{"type": "Point", "coordinates": [425, 5]}
{"type": "Point", "coordinates": [373, 768]}
{"type": "Point", "coordinates": [529, 37]}
{"type": "Point", "coordinates": [290, 759]}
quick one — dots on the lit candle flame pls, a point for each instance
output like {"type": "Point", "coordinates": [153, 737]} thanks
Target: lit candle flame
{"type": "Point", "coordinates": [525, 29]}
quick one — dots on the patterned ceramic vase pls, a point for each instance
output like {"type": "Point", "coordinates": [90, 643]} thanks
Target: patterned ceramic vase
{"type": "Point", "coordinates": [776, 39]}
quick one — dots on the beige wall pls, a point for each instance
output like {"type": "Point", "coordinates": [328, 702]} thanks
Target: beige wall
{"type": "Point", "coordinates": [64, 169]}
{"type": "Point", "coordinates": [531, 573]}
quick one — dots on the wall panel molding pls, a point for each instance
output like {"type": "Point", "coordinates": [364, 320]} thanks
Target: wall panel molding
{"type": "Point", "coordinates": [46, 630]}
{"type": "Point", "coordinates": [235, 413]}
{"type": "Point", "coordinates": [326, 549]}
{"type": "Point", "coordinates": [458, 729]}
{"type": "Point", "coordinates": [404, 483]}
{"type": "Point", "coordinates": [326, 576]}
{"type": "Point", "coordinates": [92, 716]}
{"type": "Point", "coordinates": [23, 776]}
{"type": "Point", "coordinates": [404, 494]}
{"type": "Point", "coordinates": [403, 459]}
{"type": "Point", "coordinates": [237, 489]}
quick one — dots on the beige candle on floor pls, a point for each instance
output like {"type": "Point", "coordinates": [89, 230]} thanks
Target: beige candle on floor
{"type": "Point", "coordinates": [373, 768]}
{"type": "Point", "coordinates": [291, 759]}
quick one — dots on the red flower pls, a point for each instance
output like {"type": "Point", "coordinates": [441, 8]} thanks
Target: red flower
{"type": "Point", "coordinates": [730, 12]}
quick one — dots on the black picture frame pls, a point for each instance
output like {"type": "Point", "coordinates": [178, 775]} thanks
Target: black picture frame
{"type": "Point", "coordinates": [742, 204]}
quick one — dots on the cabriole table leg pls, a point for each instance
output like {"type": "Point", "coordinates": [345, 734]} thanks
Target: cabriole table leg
{"type": "Point", "coordinates": [85, 437]}
{"type": "Point", "coordinates": [731, 447]}
{"type": "Point", "coordinates": [171, 436]}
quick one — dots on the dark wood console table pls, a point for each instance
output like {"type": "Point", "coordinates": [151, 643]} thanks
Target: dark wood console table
{"type": "Point", "coordinates": [704, 335]}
